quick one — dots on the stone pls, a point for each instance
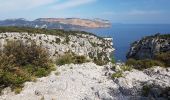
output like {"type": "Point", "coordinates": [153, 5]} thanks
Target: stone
{"type": "Point", "coordinates": [88, 82]}
{"type": "Point", "coordinates": [38, 93]}
{"type": "Point", "coordinates": [148, 47]}
{"type": "Point", "coordinates": [55, 49]}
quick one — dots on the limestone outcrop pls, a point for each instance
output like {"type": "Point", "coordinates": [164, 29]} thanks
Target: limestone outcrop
{"type": "Point", "coordinates": [89, 81]}
{"type": "Point", "coordinates": [147, 47]}
{"type": "Point", "coordinates": [81, 44]}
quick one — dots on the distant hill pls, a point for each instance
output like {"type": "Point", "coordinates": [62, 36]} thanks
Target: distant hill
{"type": "Point", "coordinates": [57, 23]}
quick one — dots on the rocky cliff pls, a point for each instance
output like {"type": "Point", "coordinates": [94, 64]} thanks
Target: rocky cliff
{"type": "Point", "coordinates": [86, 81]}
{"type": "Point", "coordinates": [79, 43]}
{"type": "Point", "coordinates": [148, 47]}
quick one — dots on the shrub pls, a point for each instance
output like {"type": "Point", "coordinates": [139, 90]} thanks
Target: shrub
{"type": "Point", "coordinates": [163, 57]}
{"type": "Point", "coordinates": [19, 62]}
{"type": "Point", "coordinates": [67, 39]}
{"type": "Point", "coordinates": [27, 54]}
{"type": "Point", "coordinates": [93, 44]}
{"type": "Point", "coordinates": [99, 61]}
{"type": "Point", "coordinates": [143, 64]}
{"type": "Point", "coordinates": [126, 68]}
{"type": "Point", "coordinates": [130, 62]}
{"type": "Point", "coordinates": [117, 74]}
{"type": "Point", "coordinates": [80, 59]}
{"type": "Point", "coordinates": [17, 90]}
{"type": "Point", "coordinates": [112, 60]}
{"type": "Point", "coordinates": [149, 90]}
{"type": "Point", "coordinates": [145, 90]}
{"type": "Point", "coordinates": [57, 40]}
{"type": "Point", "coordinates": [69, 58]}
{"type": "Point", "coordinates": [41, 72]}
{"type": "Point", "coordinates": [57, 73]}
{"type": "Point", "coordinates": [65, 59]}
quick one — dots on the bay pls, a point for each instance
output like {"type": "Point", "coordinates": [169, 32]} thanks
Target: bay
{"type": "Point", "coordinates": [125, 34]}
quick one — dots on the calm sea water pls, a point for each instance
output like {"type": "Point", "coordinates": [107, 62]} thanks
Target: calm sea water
{"type": "Point", "coordinates": [124, 34]}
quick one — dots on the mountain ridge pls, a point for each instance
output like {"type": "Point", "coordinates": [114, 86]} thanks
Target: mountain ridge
{"type": "Point", "coordinates": [57, 23]}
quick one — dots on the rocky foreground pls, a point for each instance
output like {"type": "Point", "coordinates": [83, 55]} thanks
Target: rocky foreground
{"type": "Point", "coordinates": [89, 81]}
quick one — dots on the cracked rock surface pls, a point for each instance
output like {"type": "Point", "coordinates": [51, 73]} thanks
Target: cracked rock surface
{"type": "Point", "coordinates": [89, 81]}
{"type": "Point", "coordinates": [73, 82]}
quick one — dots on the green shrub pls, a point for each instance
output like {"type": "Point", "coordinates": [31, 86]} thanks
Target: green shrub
{"type": "Point", "coordinates": [19, 62]}
{"type": "Point", "coordinates": [93, 44]}
{"type": "Point", "coordinates": [17, 90]}
{"type": "Point", "coordinates": [30, 30]}
{"type": "Point", "coordinates": [143, 64]}
{"type": "Point", "coordinates": [65, 59]}
{"type": "Point", "coordinates": [117, 74]}
{"type": "Point", "coordinates": [126, 68]}
{"type": "Point", "coordinates": [69, 58]}
{"type": "Point", "coordinates": [113, 60]}
{"type": "Point", "coordinates": [67, 39]}
{"type": "Point", "coordinates": [163, 57]}
{"type": "Point", "coordinates": [99, 62]}
{"type": "Point", "coordinates": [27, 54]}
{"type": "Point", "coordinates": [80, 59]}
{"type": "Point", "coordinates": [130, 62]}
{"type": "Point", "coordinates": [41, 72]}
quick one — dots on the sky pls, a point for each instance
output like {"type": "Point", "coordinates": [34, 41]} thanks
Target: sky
{"type": "Point", "coordinates": [116, 11]}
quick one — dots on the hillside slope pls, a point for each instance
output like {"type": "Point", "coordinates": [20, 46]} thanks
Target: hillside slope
{"type": "Point", "coordinates": [57, 23]}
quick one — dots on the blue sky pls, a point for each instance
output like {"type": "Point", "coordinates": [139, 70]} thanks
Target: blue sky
{"type": "Point", "coordinates": [117, 11]}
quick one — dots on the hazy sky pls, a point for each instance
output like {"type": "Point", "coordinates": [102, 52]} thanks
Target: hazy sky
{"type": "Point", "coordinates": [117, 11]}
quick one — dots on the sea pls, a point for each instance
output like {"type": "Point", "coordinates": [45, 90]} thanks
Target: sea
{"type": "Point", "coordinates": [125, 34]}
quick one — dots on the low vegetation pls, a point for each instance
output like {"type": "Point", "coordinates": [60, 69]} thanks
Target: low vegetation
{"type": "Point", "coordinates": [143, 64]}
{"type": "Point", "coordinates": [126, 68]}
{"type": "Point", "coordinates": [58, 32]}
{"type": "Point", "coordinates": [145, 90]}
{"type": "Point", "coordinates": [162, 36]}
{"type": "Point", "coordinates": [69, 58]}
{"type": "Point", "coordinates": [164, 58]}
{"type": "Point", "coordinates": [113, 60]}
{"type": "Point", "coordinates": [99, 61]}
{"type": "Point", "coordinates": [160, 59]}
{"type": "Point", "coordinates": [117, 74]}
{"type": "Point", "coordinates": [149, 89]}
{"type": "Point", "coordinates": [20, 62]}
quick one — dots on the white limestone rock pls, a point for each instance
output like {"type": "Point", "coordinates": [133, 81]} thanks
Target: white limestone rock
{"type": "Point", "coordinates": [88, 81]}
{"type": "Point", "coordinates": [80, 44]}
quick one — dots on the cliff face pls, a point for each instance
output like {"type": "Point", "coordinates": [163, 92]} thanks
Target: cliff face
{"type": "Point", "coordinates": [77, 22]}
{"type": "Point", "coordinates": [147, 47]}
{"type": "Point", "coordinates": [79, 43]}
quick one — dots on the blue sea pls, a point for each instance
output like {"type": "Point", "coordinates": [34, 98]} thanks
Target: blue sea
{"type": "Point", "coordinates": [125, 34]}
